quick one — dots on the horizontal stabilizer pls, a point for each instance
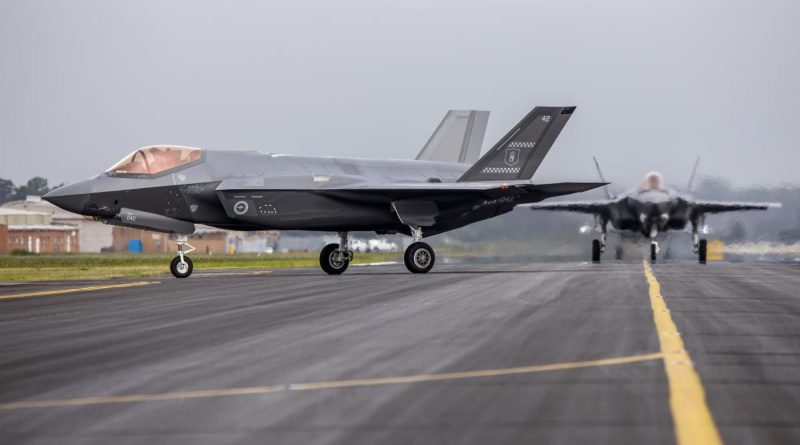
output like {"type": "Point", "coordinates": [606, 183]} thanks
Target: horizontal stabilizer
{"type": "Point", "coordinates": [591, 207]}
{"type": "Point", "coordinates": [564, 188]}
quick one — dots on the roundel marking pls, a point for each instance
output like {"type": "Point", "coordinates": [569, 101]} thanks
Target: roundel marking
{"type": "Point", "coordinates": [240, 208]}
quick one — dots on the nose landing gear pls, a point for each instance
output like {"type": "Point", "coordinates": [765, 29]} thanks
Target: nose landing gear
{"type": "Point", "coordinates": [654, 249]}
{"type": "Point", "coordinates": [181, 266]}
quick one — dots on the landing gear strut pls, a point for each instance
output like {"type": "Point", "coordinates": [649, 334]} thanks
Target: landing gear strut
{"type": "Point", "coordinates": [702, 250]}
{"type": "Point", "coordinates": [335, 258]}
{"type": "Point", "coordinates": [599, 246]}
{"type": "Point", "coordinates": [181, 266]}
{"type": "Point", "coordinates": [653, 245]}
{"type": "Point", "coordinates": [419, 256]}
{"type": "Point", "coordinates": [700, 245]}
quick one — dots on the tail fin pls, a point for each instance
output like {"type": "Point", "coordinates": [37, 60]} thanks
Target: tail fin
{"type": "Point", "coordinates": [609, 193]}
{"type": "Point", "coordinates": [520, 152]}
{"type": "Point", "coordinates": [458, 138]}
{"type": "Point", "coordinates": [691, 178]}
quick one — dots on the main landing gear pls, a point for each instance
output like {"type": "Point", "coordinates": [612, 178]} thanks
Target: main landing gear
{"type": "Point", "coordinates": [335, 258]}
{"type": "Point", "coordinates": [419, 256]}
{"type": "Point", "coordinates": [700, 245]}
{"type": "Point", "coordinates": [599, 246]}
{"type": "Point", "coordinates": [181, 266]}
{"type": "Point", "coordinates": [702, 251]}
{"type": "Point", "coordinates": [700, 248]}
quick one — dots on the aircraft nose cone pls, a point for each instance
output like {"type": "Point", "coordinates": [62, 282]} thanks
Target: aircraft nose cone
{"type": "Point", "coordinates": [71, 197]}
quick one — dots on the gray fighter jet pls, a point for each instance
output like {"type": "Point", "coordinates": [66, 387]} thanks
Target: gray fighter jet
{"type": "Point", "coordinates": [171, 188]}
{"type": "Point", "coordinates": [648, 210]}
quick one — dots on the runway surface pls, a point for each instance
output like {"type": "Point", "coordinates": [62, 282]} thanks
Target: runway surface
{"type": "Point", "coordinates": [506, 353]}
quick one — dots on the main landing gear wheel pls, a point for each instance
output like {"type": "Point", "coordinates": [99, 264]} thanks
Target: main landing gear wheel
{"type": "Point", "coordinates": [332, 260]}
{"type": "Point", "coordinates": [702, 250]}
{"type": "Point", "coordinates": [619, 253]}
{"type": "Point", "coordinates": [419, 257]}
{"type": "Point", "coordinates": [181, 268]}
{"type": "Point", "coordinates": [595, 251]}
{"type": "Point", "coordinates": [653, 252]}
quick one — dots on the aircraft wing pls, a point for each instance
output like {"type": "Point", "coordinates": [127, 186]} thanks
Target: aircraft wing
{"type": "Point", "coordinates": [702, 207]}
{"type": "Point", "coordinates": [555, 189]}
{"type": "Point", "coordinates": [415, 203]}
{"type": "Point", "coordinates": [599, 207]}
{"type": "Point", "coordinates": [352, 185]}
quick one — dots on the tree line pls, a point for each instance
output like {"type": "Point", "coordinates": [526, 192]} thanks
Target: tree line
{"type": "Point", "coordinates": [10, 192]}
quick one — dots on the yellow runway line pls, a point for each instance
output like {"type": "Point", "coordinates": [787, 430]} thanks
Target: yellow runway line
{"type": "Point", "coordinates": [101, 400]}
{"type": "Point", "coordinates": [687, 399]}
{"type": "Point", "coordinates": [475, 374]}
{"type": "Point", "coordinates": [76, 289]}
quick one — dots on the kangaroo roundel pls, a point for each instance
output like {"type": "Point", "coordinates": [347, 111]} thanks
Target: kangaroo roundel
{"type": "Point", "coordinates": [512, 156]}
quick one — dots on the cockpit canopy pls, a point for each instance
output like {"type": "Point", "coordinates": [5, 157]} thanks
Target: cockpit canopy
{"type": "Point", "coordinates": [155, 159]}
{"type": "Point", "coordinates": [652, 181]}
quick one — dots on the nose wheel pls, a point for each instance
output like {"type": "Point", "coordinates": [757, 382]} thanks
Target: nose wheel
{"type": "Point", "coordinates": [654, 249]}
{"type": "Point", "coordinates": [181, 266]}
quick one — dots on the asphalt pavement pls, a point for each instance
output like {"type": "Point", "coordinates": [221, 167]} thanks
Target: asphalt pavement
{"type": "Point", "coordinates": [491, 353]}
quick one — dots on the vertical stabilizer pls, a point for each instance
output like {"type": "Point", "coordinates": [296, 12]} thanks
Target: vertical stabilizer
{"type": "Point", "coordinates": [519, 153]}
{"type": "Point", "coordinates": [691, 178]}
{"type": "Point", "coordinates": [609, 193]}
{"type": "Point", "coordinates": [458, 138]}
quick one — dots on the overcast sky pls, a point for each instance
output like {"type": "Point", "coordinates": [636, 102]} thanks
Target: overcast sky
{"type": "Point", "coordinates": [656, 83]}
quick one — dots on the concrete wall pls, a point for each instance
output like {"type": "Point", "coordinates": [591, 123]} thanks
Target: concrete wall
{"type": "Point", "coordinates": [20, 218]}
{"type": "Point", "coordinates": [44, 241]}
{"type": "Point", "coordinates": [206, 243]}
{"type": "Point", "coordinates": [94, 235]}
{"type": "Point", "coordinates": [154, 242]}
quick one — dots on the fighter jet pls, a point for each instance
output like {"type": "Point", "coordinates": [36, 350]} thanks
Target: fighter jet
{"type": "Point", "coordinates": [649, 210]}
{"type": "Point", "coordinates": [171, 188]}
